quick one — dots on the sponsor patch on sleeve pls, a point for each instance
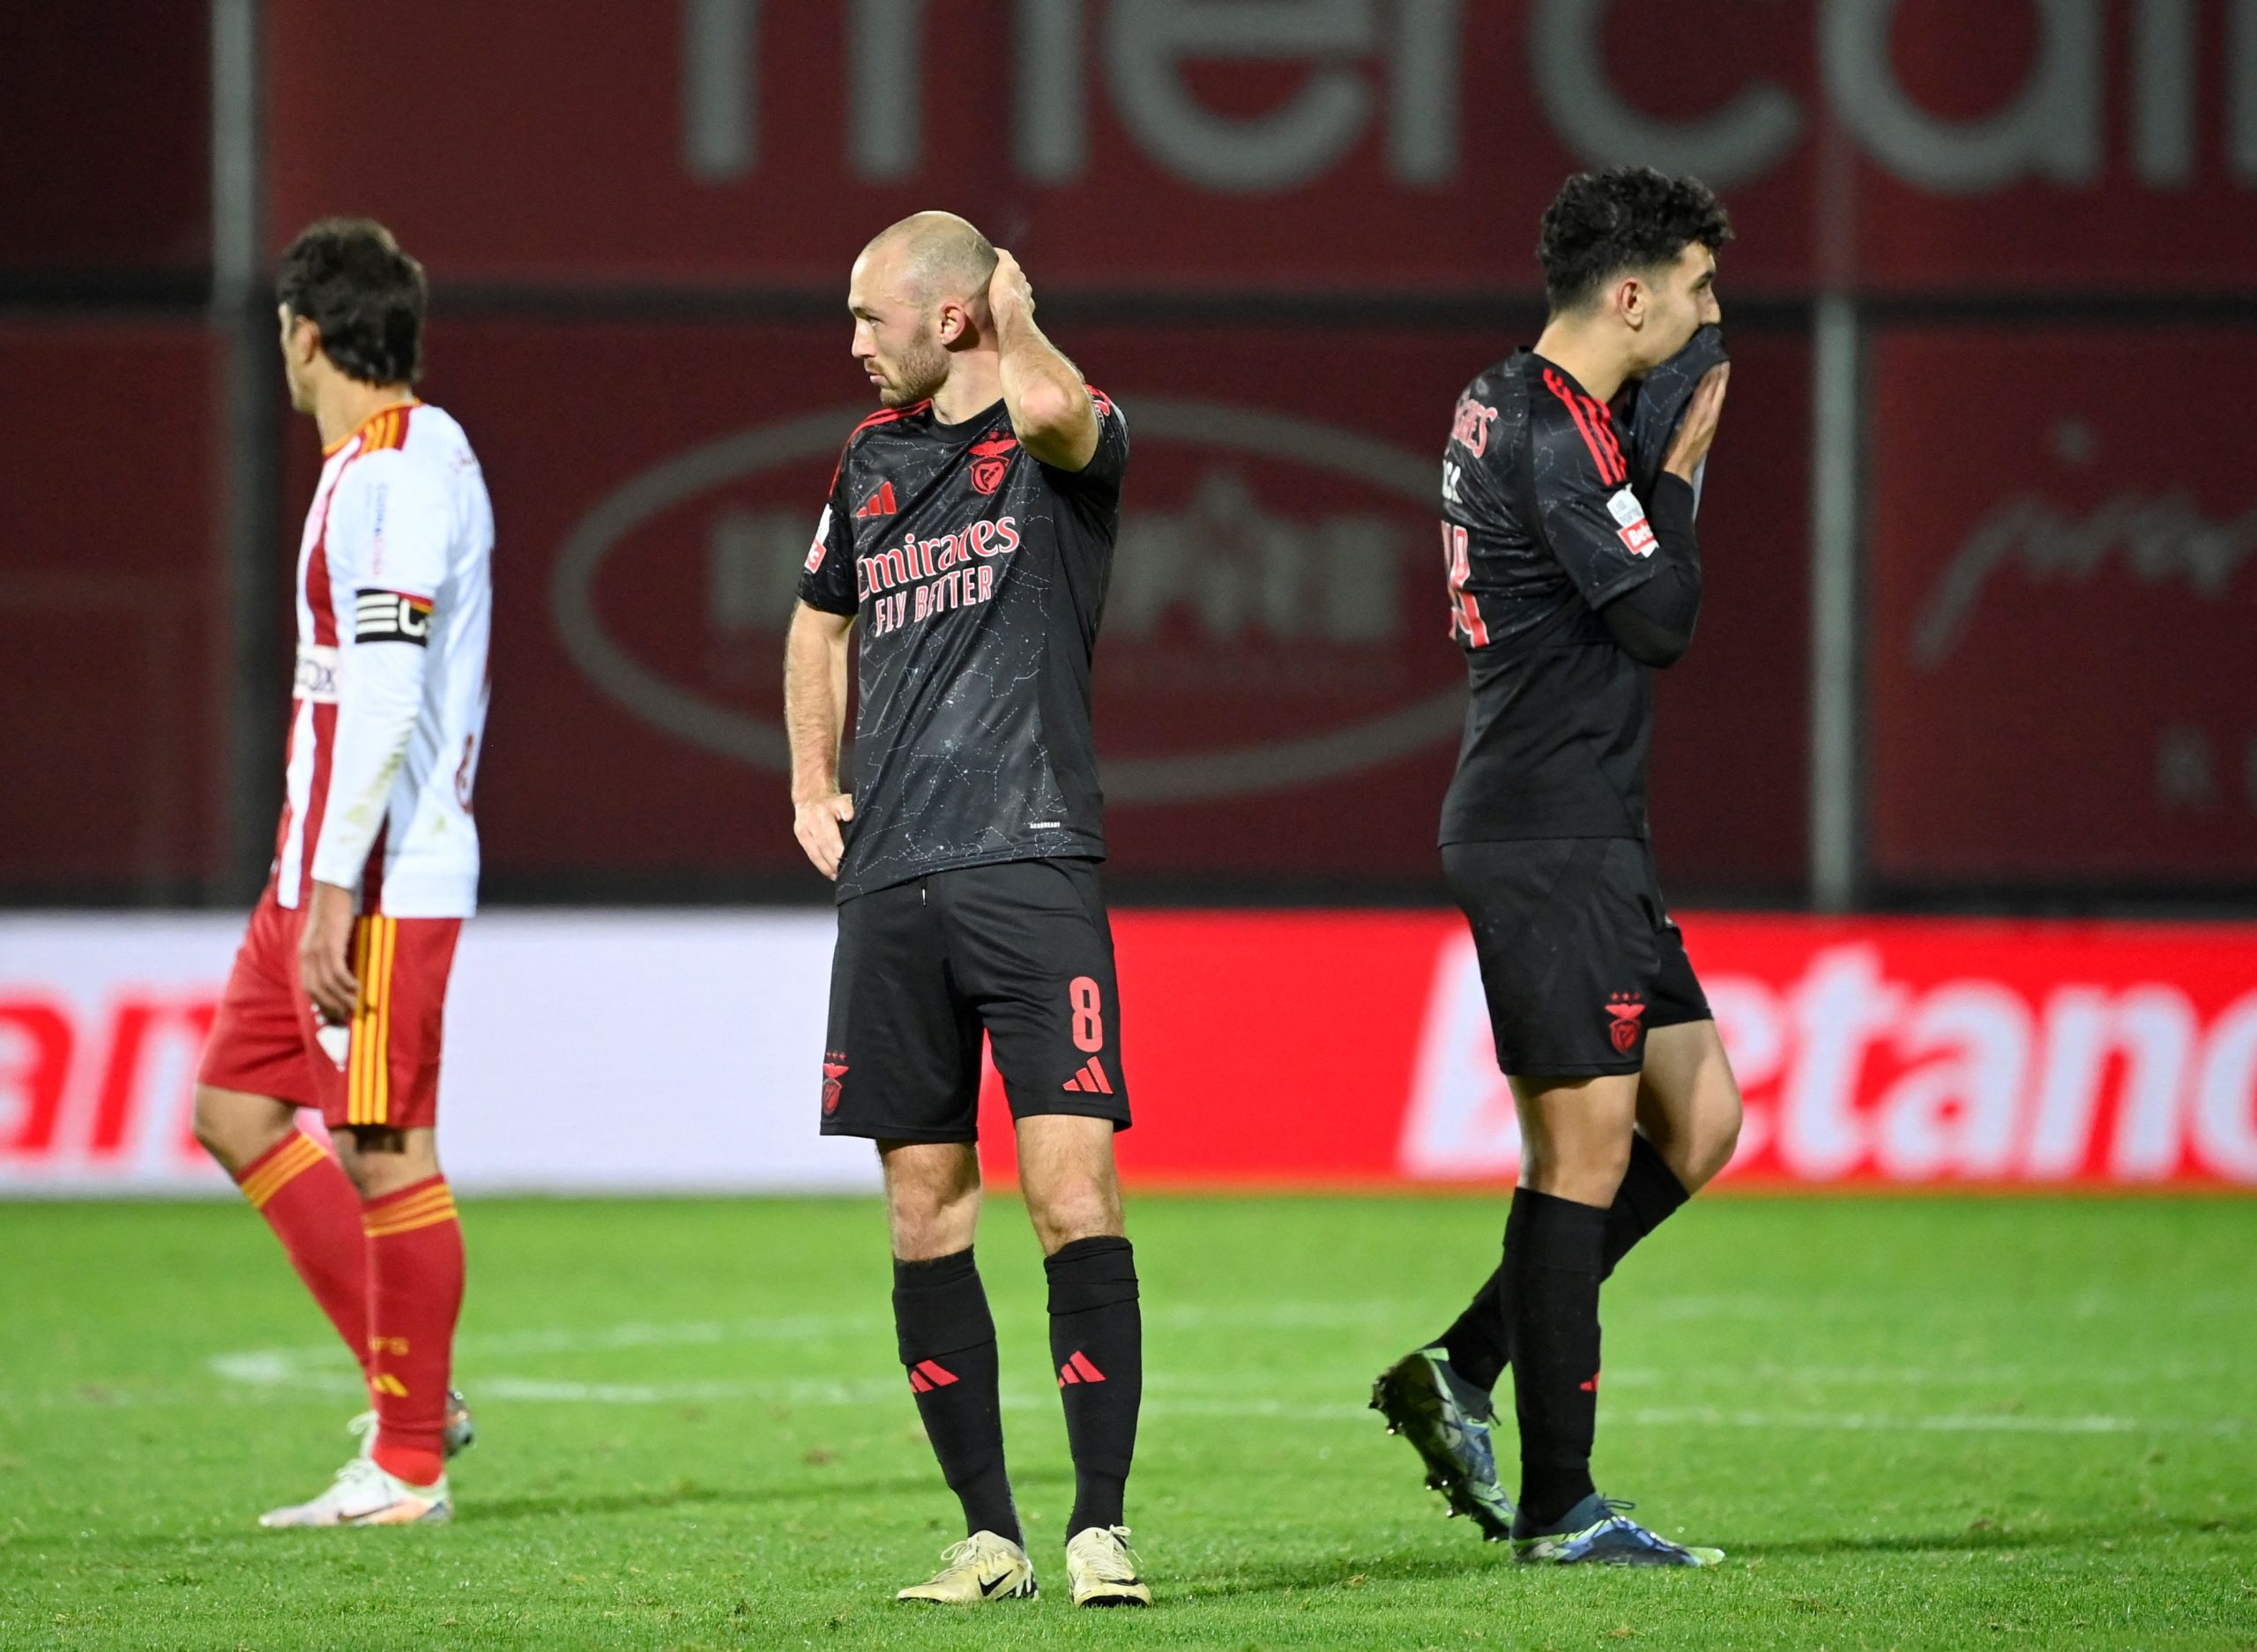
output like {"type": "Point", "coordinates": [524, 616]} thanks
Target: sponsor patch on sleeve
{"type": "Point", "coordinates": [822, 541]}
{"type": "Point", "coordinates": [391, 616]}
{"type": "Point", "coordinates": [1635, 532]}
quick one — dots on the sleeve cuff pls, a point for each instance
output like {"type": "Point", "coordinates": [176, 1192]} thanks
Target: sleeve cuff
{"type": "Point", "coordinates": [1672, 504]}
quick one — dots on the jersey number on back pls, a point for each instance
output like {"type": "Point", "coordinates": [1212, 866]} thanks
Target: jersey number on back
{"type": "Point", "coordinates": [1464, 612]}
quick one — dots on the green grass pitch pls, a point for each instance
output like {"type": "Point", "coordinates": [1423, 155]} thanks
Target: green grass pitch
{"type": "Point", "coordinates": [1914, 1423]}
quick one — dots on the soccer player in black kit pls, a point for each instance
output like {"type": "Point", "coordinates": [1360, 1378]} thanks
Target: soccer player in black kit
{"type": "Point", "coordinates": [1570, 483]}
{"type": "Point", "coordinates": [969, 532]}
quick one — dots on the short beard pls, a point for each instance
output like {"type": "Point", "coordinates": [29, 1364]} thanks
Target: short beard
{"type": "Point", "coordinates": [921, 370]}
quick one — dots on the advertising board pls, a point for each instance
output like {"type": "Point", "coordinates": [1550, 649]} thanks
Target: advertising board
{"type": "Point", "coordinates": [683, 1053]}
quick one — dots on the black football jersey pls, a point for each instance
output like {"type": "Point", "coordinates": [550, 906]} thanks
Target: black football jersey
{"type": "Point", "coordinates": [1541, 528]}
{"type": "Point", "coordinates": [978, 576]}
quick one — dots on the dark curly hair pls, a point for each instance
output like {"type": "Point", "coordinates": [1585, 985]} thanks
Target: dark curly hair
{"type": "Point", "coordinates": [349, 278]}
{"type": "Point", "coordinates": [1628, 218]}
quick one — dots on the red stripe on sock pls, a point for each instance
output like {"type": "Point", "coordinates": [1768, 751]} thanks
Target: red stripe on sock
{"type": "Point", "coordinates": [315, 1213]}
{"type": "Point", "coordinates": [415, 1276]}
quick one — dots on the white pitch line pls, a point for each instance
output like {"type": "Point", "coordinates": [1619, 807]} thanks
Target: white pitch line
{"type": "Point", "coordinates": [273, 1368]}
{"type": "Point", "coordinates": [322, 1368]}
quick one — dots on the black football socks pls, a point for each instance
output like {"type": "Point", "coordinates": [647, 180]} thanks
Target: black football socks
{"type": "Point", "coordinates": [947, 1344]}
{"type": "Point", "coordinates": [1096, 1341]}
{"type": "Point", "coordinates": [1650, 1195]}
{"type": "Point", "coordinates": [1555, 1255]}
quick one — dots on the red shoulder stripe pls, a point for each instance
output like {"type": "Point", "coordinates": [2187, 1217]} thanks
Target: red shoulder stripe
{"type": "Point", "coordinates": [883, 416]}
{"type": "Point", "coordinates": [887, 416]}
{"type": "Point", "coordinates": [1603, 419]}
{"type": "Point", "coordinates": [1602, 452]}
{"type": "Point", "coordinates": [1603, 424]}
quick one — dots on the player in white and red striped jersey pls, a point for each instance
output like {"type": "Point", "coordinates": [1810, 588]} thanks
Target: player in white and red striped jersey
{"type": "Point", "coordinates": [337, 994]}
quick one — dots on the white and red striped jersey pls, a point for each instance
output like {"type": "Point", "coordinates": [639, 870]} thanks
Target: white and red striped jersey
{"type": "Point", "coordinates": [395, 599]}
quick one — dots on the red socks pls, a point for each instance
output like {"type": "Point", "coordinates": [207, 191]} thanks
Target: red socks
{"type": "Point", "coordinates": [306, 1199]}
{"type": "Point", "coordinates": [389, 1275]}
{"type": "Point", "coordinates": [414, 1293]}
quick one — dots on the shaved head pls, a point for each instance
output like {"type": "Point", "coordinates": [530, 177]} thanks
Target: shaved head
{"type": "Point", "coordinates": [918, 294]}
{"type": "Point", "coordinates": [937, 255]}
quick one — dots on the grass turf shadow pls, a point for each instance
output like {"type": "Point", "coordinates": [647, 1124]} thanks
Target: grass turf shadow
{"type": "Point", "coordinates": [536, 1505]}
{"type": "Point", "coordinates": [1425, 1565]}
{"type": "Point", "coordinates": [2009, 1535]}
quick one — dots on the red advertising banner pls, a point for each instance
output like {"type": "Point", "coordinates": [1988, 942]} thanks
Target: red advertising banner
{"type": "Point", "coordinates": [1343, 1049]}
{"type": "Point", "coordinates": [111, 598]}
{"type": "Point", "coordinates": [1346, 1049]}
{"type": "Point", "coordinates": [2063, 585]}
{"type": "Point", "coordinates": [1251, 145]}
{"type": "Point", "coordinates": [1277, 692]}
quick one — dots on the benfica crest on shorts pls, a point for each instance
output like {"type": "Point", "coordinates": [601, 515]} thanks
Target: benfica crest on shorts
{"type": "Point", "coordinates": [991, 462]}
{"type": "Point", "coordinates": [1626, 1008]}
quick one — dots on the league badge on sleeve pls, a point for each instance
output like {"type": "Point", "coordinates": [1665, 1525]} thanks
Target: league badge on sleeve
{"type": "Point", "coordinates": [822, 541]}
{"type": "Point", "coordinates": [1635, 532]}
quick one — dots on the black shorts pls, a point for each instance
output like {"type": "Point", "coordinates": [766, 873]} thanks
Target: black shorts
{"type": "Point", "coordinates": [1579, 958]}
{"type": "Point", "coordinates": [1021, 951]}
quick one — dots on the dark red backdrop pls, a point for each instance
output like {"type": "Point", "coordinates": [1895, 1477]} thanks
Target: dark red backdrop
{"type": "Point", "coordinates": [110, 599]}
{"type": "Point", "coordinates": [1279, 587]}
{"type": "Point", "coordinates": [1400, 146]}
{"type": "Point", "coordinates": [2065, 592]}
{"type": "Point", "coordinates": [2082, 714]}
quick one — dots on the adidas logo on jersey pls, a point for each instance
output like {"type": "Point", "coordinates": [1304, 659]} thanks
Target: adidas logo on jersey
{"type": "Point", "coordinates": [880, 503]}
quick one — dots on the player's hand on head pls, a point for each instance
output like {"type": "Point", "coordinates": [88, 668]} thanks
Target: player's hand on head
{"type": "Point", "coordinates": [817, 825]}
{"type": "Point", "coordinates": [323, 969]}
{"type": "Point", "coordinates": [1698, 429]}
{"type": "Point", "coordinates": [1009, 292]}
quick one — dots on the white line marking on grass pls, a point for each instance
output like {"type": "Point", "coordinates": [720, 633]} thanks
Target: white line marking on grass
{"type": "Point", "coordinates": [683, 1333]}
{"type": "Point", "coordinates": [324, 1368]}
{"type": "Point", "coordinates": [797, 1391]}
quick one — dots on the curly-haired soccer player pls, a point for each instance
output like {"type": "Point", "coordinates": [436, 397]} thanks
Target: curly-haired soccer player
{"type": "Point", "coordinates": [1570, 484]}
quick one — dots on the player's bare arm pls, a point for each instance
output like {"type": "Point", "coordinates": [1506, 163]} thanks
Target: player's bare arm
{"type": "Point", "coordinates": [1050, 405]}
{"type": "Point", "coordinates": [815, 715]}
{"type": "Point", "coordinates": [322, 967]}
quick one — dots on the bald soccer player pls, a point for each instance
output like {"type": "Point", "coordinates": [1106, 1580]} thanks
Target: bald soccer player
{"type": "Point", "coordinates": [970, 533]}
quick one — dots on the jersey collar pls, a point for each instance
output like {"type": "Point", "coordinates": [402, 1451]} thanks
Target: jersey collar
{"type": "Point", "coordinates": [362, 429]}
{"type": "Point", "coordinates": [965, 430]}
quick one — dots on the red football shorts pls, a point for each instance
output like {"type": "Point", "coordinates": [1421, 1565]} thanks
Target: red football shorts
{"type": "Point", "coordinates": [381, 1069]}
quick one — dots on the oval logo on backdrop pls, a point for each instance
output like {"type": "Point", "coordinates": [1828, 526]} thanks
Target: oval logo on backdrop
{"type": "Point", "coordinates": [1276, 616]}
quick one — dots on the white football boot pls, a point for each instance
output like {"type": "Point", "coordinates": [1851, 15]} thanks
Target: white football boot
{"type": "Point", "coordinates": [981, 1569]}
{"type": "Point", "coordinates": [1102, 1569]}
{"type": "Point", "coordinates": [363, 1494]}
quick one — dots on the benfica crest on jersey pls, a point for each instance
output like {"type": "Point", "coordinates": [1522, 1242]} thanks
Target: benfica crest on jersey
{"type": "Point", "coordinates": [991, 462]}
